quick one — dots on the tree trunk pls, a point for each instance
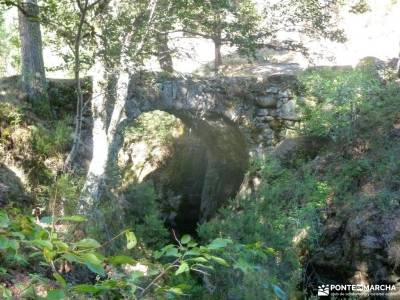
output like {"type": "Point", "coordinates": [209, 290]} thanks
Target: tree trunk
{"type": "Point", "coordinates": [97, 169]}
{"type": "Point", "coordinates": [79, 94]}
{"type": "Point", "coordinates": [164, 54]}
{"type": "Point", "coordinates": [398, 66]}
{"type": "Point", "coordinates": [218, 56]}
{"type": "Point", "coordinates": [108, 104]}
{"type": "Point", "coordinates": [106, 123]}
{"type": "Point", "coordinates": [33, 74]}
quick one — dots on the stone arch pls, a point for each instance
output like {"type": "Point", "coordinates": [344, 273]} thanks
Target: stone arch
{"type": "Point", "coordinates": [236, 118]}
{"type": "Point", "coordinates": [225, 162]}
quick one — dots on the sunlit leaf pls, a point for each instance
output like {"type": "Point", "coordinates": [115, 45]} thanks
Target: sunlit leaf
{"type": "Point", "coordinates": [218, 244]}
{"type": "Point", "coordinates": [219, 260]}
{"type": "Point", "coordinates": [185, 239]}
{"type": "Point", "coordinates": [93, 263]}
{"type": "Point", "coordinates": [184, 267]}
{"type": "Point", "coordinates": [131, 240]}
{"type": "Point", "coordinates": [61, 246]}
{"type": "Point", "coordinates": [42, 244]}
{"type": "Point", "coordinates": [49, 254]}
{"type": "Point", "coordinates": [87, 244]}
{"type": "Point", "coordinates": [198, 259]}
{"type": "Point", "coordinates": [55, 295]}
{"type": "Point", "coordinates": [176, 291]}
{"type": "Point", "coordinates": [74, 218]}
{"type": "Point", "coordinates": [120, 260]}
{"type": "Point", "coordinates": [60, 280]}
{"type": "Point", "coordinates": [87, 288]}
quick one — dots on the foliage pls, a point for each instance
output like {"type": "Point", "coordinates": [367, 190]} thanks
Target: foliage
{"type": "Point", "coordinates": [142, 212]}
{"type": "Point", "coordinates": [157, 127]}
{"type": "Point", "coordinates": [10, 44]}
{"type": "Point", "coordinates": [44, 249]}
{"type": "Point", "coordinates": [274, 223]}
{"type": "Point", "coordinates": [227, 22]}
{"type": "Point", "coordinates": [333, 99]}
{"type": "Point", "coordinates": [47, 143]}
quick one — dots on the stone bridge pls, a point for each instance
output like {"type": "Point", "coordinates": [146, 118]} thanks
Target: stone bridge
{"type": "Point", "coordinates": [236, 118]}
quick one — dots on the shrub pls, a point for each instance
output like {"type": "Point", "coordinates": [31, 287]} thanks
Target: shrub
{"type": "Point", "coordinates": [333, 99]}
{"type": "Point", "coordinates": [275, 223]}
{"type": "Point", "coordinates": [49, 254]}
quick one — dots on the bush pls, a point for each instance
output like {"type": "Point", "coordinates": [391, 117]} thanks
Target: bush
{"type": "Point", "coordinates": [51, 257]}
{"type": "Point", "coordinates": [275, 224]}
{"type": "Point", "coordinates": [332, 100]}
{"type": "Point", "coordinates": [47, 143]}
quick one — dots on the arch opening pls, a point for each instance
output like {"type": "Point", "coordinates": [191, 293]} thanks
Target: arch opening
{"type": "Point", "coordinates": [194, 165]}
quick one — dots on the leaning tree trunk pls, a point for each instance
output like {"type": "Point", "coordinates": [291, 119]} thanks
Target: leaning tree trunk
{"type": "Point", "coordinates": [107, 116]}
{"type": "Point", "coordinates": [33, 74]}
{"type": "Point", "coordinates": [108, 105]}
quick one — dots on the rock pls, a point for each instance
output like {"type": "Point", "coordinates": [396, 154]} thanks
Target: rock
{"type": "Point", "coordinates": [288, 111]}
{"type": "Point", "coordinates": [308, 146]}
{"type": "Point", "coordinates": [366, 243]}
{"type": "Point", "coordinates": [11, 188]}
{"type": "Point", "coordinates": [262, 112]}
{"type": "Point", "coordinates": [370, 242]}
{"type": "Point", "coordinates": [273, 90]}
{"type": "Point", "coordinates": [284, 94]}
{"type": "Point", "coordinates": [267, 101]}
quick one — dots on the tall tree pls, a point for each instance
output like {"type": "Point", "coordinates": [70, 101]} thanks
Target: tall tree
{"type": "Point", "coordinates": [231, 22]}
{"type": "Point", "coordinates": [33, 72]}
{"type": "Point", "coordinates": [122, 43]}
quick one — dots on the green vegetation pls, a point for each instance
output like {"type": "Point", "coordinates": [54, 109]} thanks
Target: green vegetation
{"type": "Point", "coordinates": [83, 218]}
{"type": "Point", "coordinates": [281, 223]}
{"type": "Point", "coordinates": [40, 249]}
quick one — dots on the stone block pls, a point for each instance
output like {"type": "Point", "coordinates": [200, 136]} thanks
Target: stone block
{"type": "Point", "coordinates": [268, 101]}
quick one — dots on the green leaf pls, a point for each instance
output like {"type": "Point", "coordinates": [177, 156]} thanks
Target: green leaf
{"type": "Point", "coordinates": [193, 252]}
{"type": "Point", "coordinates": [49, 254]}
{"type": "Point", "coordinates": [172, 252]}
{"type": "Point", "coordinates": [120, 260]}
{"type": "Point", "coordinates": [42, 244]}
{"type": "Point", "coordinates": [198, 259]}
{"type": "Point", "coordinates": [93, 263]}
{"type": "Point", "coordinates": [176, 291]}
{"type": "Point", "coordinates": [87, 244]}
{"type": "Point", "coordinates": [184, 267]}
{"type": "Point", "coordinates": [87, 288]}
{"type": "Point", "coordinates": [74, 218]}
{"type": "Point", "coordinates": [185, 239]}
{"type": "Point", "coordinates": [4, 220]}
{"type": "Point", "coordinates": [5, 293]}
{"type": "Point", "coordinates": [55, 295]}
{"type": "Point", "coordinates": [70, 257]}
{"type": "Point", "coordinates": [4, 242]}
{"type": "Point", "coordinates": [218, 244]}
{"type": "Point", "coordinates": [219, 260]}
{"type": "Point", "coordinates": [192, 244]}
{"type": "Point", "coordinates": [131, 240]}
{"type": "Point", "coordinates": [242, 265]}
{"type": "Point", "coordinates": [61, 281]}
{"type": "Point", "coordinates": [61, 246]}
